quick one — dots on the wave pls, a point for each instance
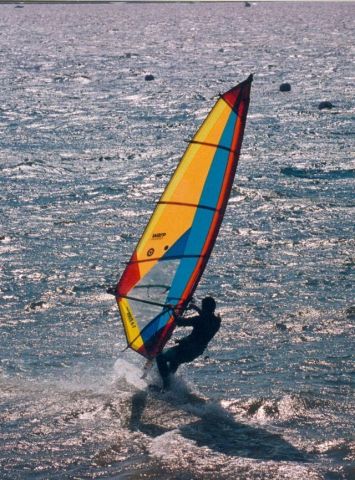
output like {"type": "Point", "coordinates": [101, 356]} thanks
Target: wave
{"type": "Point", "coordinates": [316, 173]}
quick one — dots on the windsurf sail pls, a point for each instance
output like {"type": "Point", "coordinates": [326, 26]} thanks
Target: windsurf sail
{"type": "Point", "coordinates": [173, 251]}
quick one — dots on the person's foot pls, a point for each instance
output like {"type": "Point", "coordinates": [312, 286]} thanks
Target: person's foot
{"type": "Point", "coordinates": [166, 383]}
{"type": "Point", "coordinates": [155, 388]}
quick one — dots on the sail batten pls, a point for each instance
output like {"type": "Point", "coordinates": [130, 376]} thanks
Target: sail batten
{"type": "Point", "coordinates": [164, 259]}
{"type": "Point", "coordinates": [172, 253]}
{"type": "Point", "coordinates": [181, 204]}
{"type": "Point", "coordinates": [213, 145]}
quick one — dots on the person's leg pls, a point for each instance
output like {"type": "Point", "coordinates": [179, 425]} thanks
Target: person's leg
{"type": "Point", "coordinates": [162, 365]}
{"type": "Point", "coordinates": [173, 366]}
{"type": "Point", "coordinates": [182, 355]}
{"type": "Point", "coordinates": [178, 355]}
{"type": "Point", "coordinates": [165, 362]}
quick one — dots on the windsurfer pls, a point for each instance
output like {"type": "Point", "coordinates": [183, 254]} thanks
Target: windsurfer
{"type": "Point", "coordinates": [205, 325]}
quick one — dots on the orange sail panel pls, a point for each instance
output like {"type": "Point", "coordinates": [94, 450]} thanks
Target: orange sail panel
{"type": "Point", "coordinates": [172, 253]}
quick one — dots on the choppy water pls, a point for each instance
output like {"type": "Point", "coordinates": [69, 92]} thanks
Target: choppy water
{"type": "Point", "coordinates": [87, 146]}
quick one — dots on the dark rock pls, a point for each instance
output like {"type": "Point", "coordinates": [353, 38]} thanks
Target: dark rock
{"type": "Point", "coordinates": [285, 87]}
{"type": "Point", "coordinates": [35, 305]}
{"type": "Point", "coordinates": [325, 104]}
{"type": "Point", "coordinates": [148, 78]}
{"type": "Point", "coordinates": [281, 326]}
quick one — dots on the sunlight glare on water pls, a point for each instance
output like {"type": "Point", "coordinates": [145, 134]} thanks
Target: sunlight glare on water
{"type": "Point", "coordinates": [87, 147]}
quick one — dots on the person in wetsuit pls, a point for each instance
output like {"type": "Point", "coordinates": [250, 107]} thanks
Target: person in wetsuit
{"type": "Point", "coordinates": [205, 325]}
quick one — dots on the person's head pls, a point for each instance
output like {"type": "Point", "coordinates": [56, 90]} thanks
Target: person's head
{"type": "Point", "coordinates": [208, 304]}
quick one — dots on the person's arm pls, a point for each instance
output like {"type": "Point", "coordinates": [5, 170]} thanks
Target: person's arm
{"type": "Point", "coordinates": [186, 322]}
{"type": "Point", "coordinates": [192, 306]}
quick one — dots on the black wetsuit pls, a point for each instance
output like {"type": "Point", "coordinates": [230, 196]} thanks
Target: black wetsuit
{"type": "Point", "coordinates": [205, 326]}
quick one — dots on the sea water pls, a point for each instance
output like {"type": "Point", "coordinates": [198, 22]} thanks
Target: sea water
{"type": "Point", "coordinates": [87, 145]}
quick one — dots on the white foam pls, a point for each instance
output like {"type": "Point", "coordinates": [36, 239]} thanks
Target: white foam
{"type": "Point", "coordinates": [169, 445]}
{"type": "Point", "coordinates": [131, 373]}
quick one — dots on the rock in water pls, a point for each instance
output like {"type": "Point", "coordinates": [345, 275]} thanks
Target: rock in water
{"type": "Point", "coordinates": [148, 78]}
{"type": "Point", "coordinates": [285, 87]}
{"type": "Point", "coordinates": [350, 312]}
{"type": "Point", "coordinates": [325, 104]}
{"type": "Point", "coordinates": [281, 326]}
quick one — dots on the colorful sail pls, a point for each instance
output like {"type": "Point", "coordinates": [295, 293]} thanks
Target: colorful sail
{"type": "Point", "coordinates": [172, 253]}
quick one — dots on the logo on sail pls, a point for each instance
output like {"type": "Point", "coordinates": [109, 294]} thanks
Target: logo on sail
{"type": "Point", "coordinates": [158, 236]}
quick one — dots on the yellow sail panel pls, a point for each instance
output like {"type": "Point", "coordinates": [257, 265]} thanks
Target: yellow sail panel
{"type": "Point", "coordinates": [187, 183]}
{"type": "Point", "coordinates": [130, 324]}
{"type": "Point", "coordinates": [165, 227]}
{"type": "Point", "coordinates": [189, 179]}
{"type": "Point", "coordinates": [212, 128]}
